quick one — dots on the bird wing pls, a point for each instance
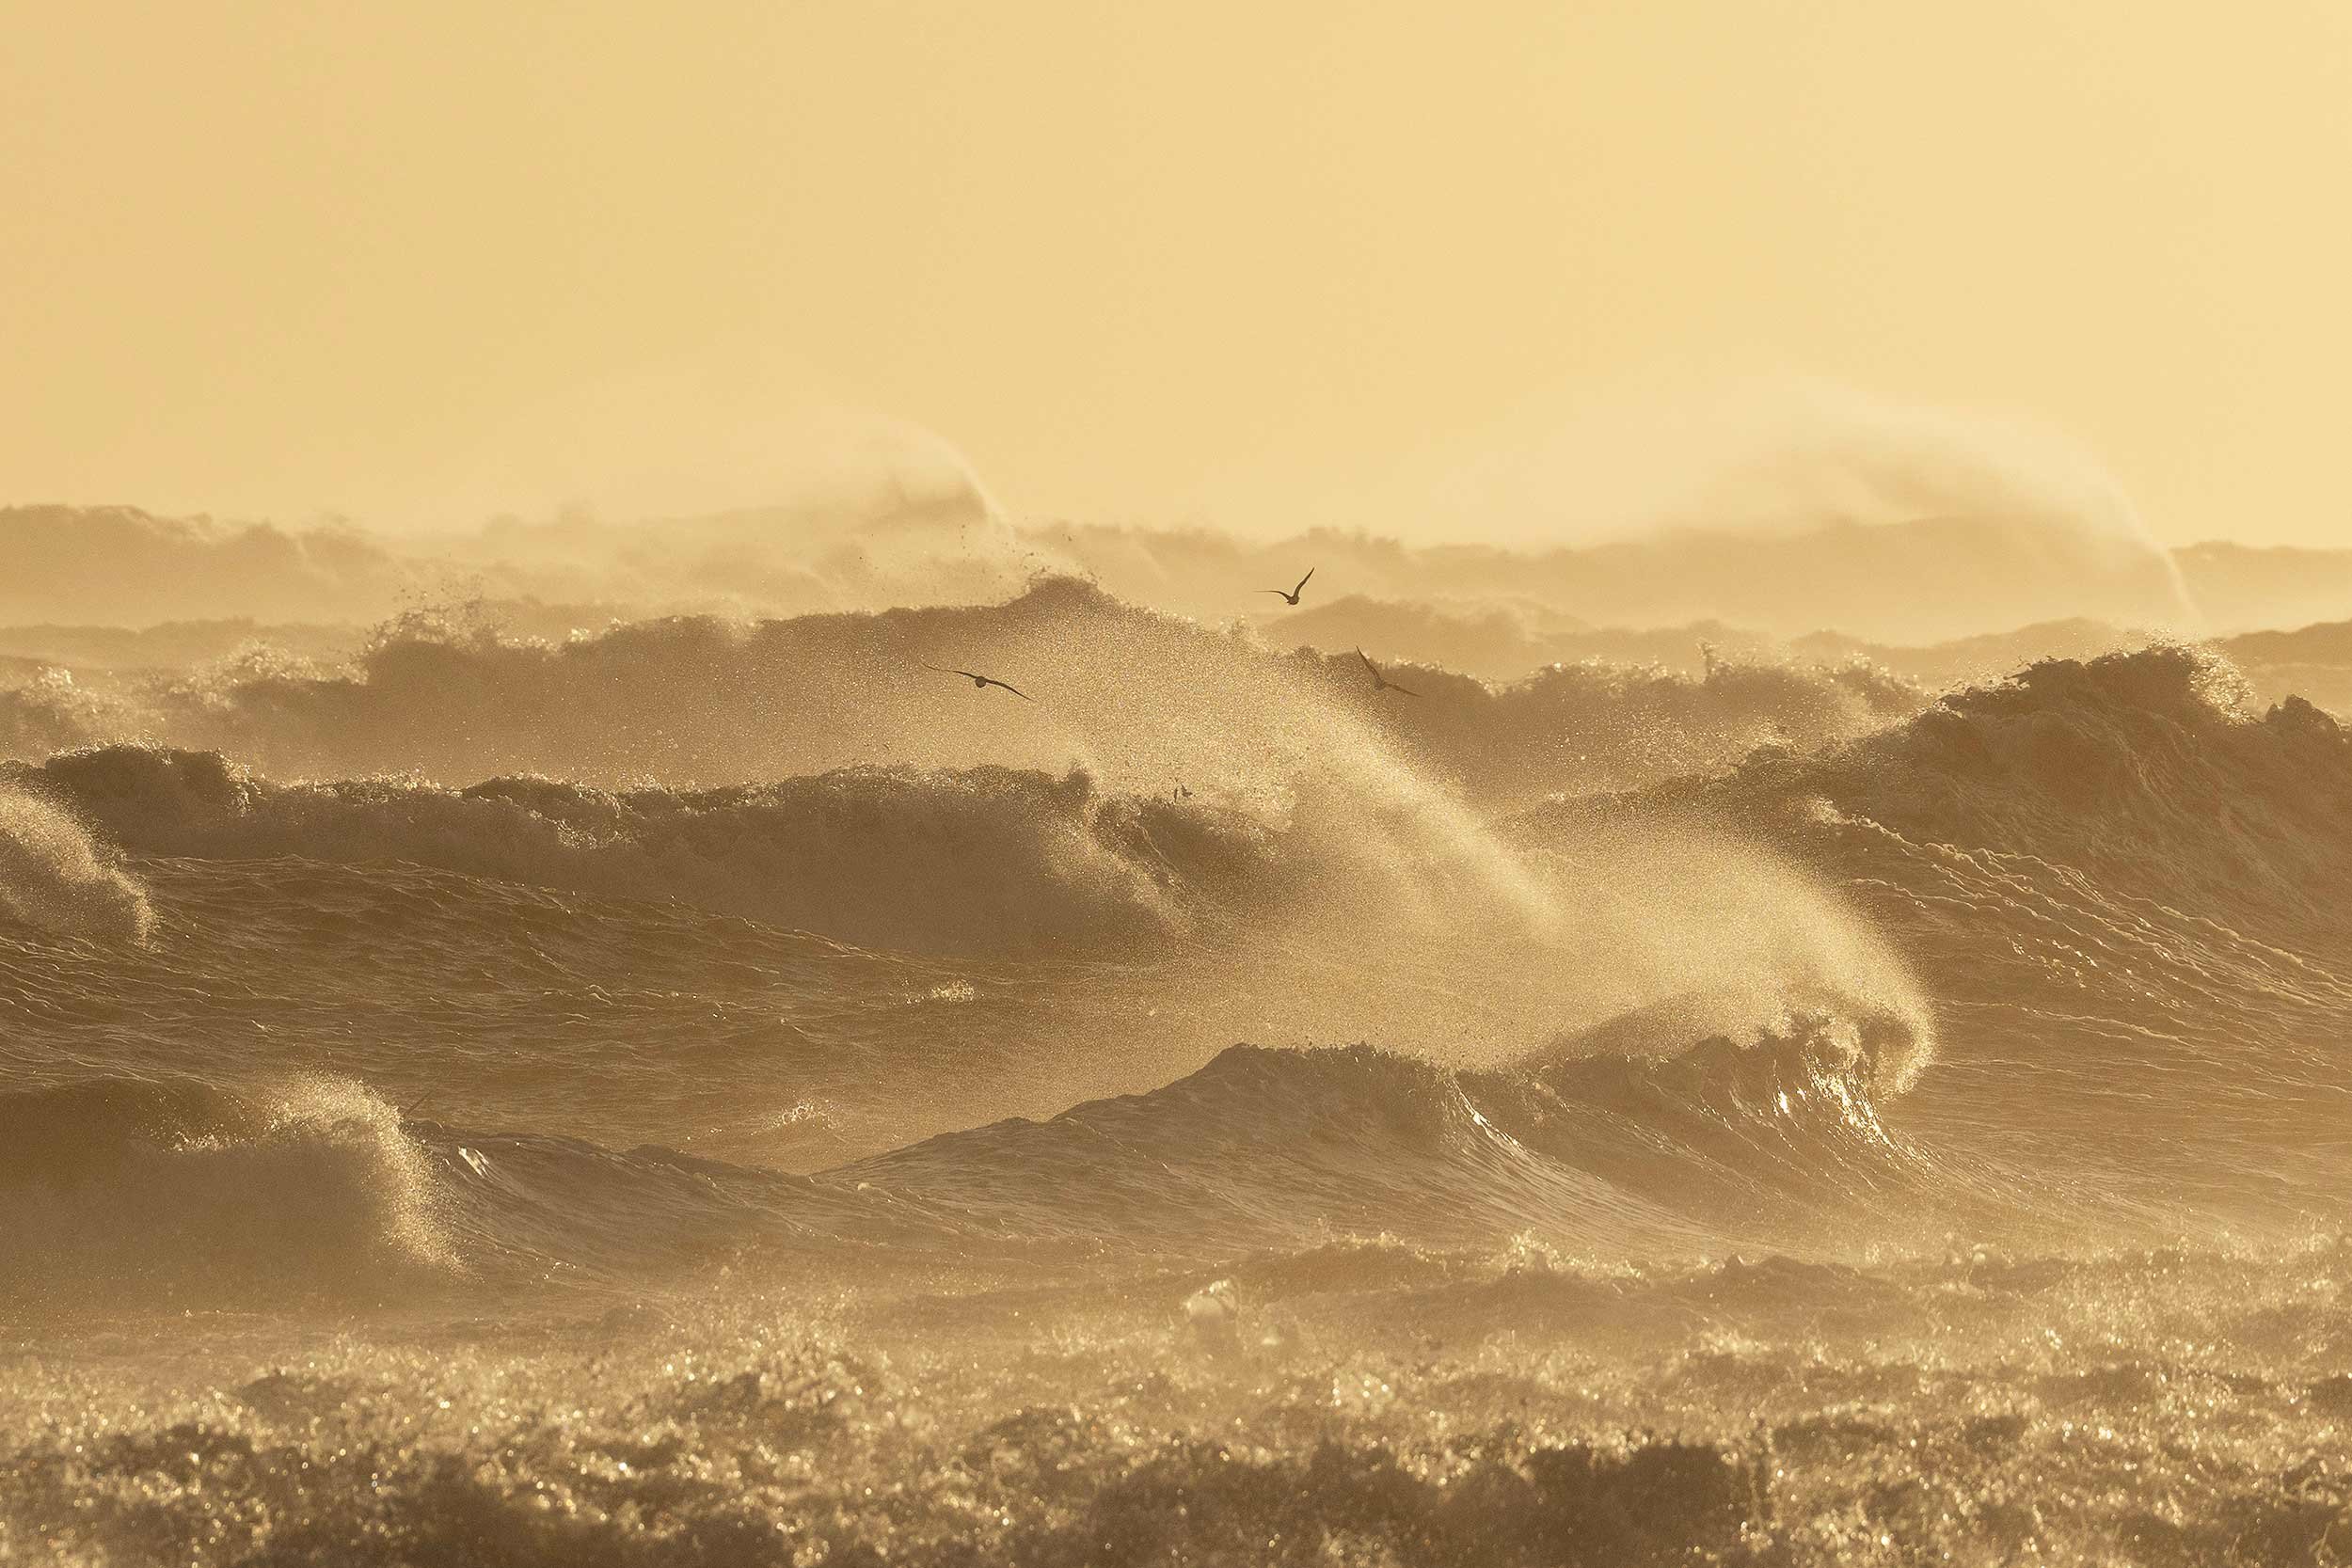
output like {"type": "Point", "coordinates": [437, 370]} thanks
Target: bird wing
{"type": "Point", "coordinates": [967, 674]}
{"type": "Point", "coordinates": [1302, 582]}
{"type": "Point", "coordinates": [1284, 592]}
{"type": "Point", "coordinates": [991, 680]}
{"type": "Point", "coordinates": [1368, 663]}
{"type": "Point", "coordinates": [1394, 686]}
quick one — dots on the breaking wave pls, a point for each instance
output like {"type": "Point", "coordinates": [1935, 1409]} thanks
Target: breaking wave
{"type": "Point", "coordinates": [1145, 701]}
{"type": "Point", "coordinates": [2145, 772]}
{"type": "Point", "coordinates": [178, 1191]}
{"type": "Point", "coordinates": [1878, 1114]}
{"type": "Point", "coordinates": [1589, 1144]}
{"type": "Point", "coordinates": [54, 877]}
{"type": "Point", "coordinates": [977, 861]}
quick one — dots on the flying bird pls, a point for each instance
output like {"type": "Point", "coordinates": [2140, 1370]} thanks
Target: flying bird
{"type": "Point", "coordinates": [1379, 681]}
{"type": "Point", "coordinates": [1291, 594]}
{"type": "Point", "coordinates": [982, 683]}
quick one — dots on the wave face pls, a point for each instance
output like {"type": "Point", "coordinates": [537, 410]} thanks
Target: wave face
{"type": "Point", "coordinates": [733, 1091]}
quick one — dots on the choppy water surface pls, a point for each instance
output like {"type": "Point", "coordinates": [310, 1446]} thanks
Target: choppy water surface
{"type": "Point", "coordinates": [733, 1097]}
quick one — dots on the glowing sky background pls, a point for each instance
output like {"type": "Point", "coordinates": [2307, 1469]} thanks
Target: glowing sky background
{"type": "Point", "coordinates": [1220, 262]}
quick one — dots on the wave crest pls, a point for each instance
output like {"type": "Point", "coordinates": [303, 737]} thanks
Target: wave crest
{"type": "Point", "coordinates": [982, 860]}
{"type": "Point", "coordinates": [179, 1191]}
{"type": "Point", "coordinates": [1143, 701]}
{"type": "Point", "coordinates": [53, 876]}
{"type": "Point", "coordinates": [2146, 771]}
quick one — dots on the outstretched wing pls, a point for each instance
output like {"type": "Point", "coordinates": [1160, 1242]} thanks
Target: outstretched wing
{"type": "Point", "coordinates": [991, 680]}
{"type": "Point", "coordinates": [1368, 663]}
{"type": "Point", "coordinates": [1302, 583]}
{"type": "Point", "coordinates": [968, 675]}
{"type": "Point", "coordinates": [1394, 686]}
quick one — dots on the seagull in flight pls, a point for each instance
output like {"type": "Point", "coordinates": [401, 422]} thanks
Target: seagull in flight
{"type": "Point", "coordinates": [1379, 681]}
{"type": "Point", "coordinates": [1291, 594]}
{"type": "Point", "coordinates": [982, 683]}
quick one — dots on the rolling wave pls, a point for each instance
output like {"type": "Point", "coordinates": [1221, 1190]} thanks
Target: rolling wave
{"type": "Point", "coordinates": [2144, 773]}
{"type": "Point", "coordinates": [54, 877]}
{"type": "Point", "coordinates": [1144, 702]}
{"type": "Point", "coordinates": [2119, 882]}
{"type": "Point", "coordinates": [977, 861]}
{"type": "Point", "coordinates": [1894, 928]}
{"type": "Point", "coordinates": [181, 1191]}
{"type": "Point", "coordinates": [1881, 1114]}
{"type": "Point", "coordinates": [178, 1191]}
{"type": "Point", "coordinates": [1585, 1145]}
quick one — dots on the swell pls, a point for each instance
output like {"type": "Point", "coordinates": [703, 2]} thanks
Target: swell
{"type": "Point", "coordinates": [171, 1192]}
{"type": "Point", "coordinates": [1718, 1141]}
{"type": "Point", "coordinates": [163, 1193]}
{"type": "Point", "coordinates": [2065, 859]}
{"type": "Point", "coordinates": [2122, 887]}
{"type": "Point", "coordinates": [977, 861]}
{"type": "Point", "coordinates": [1148, 703]}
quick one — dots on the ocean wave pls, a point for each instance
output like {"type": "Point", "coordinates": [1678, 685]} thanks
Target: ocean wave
{"type": "Point", "coordinates": [172, 1192]}
{"type": "Point", "coordinates": [176, 1191]}
{"type": "Point", "coordinates": [2013, 561]}
{"type": "Point", "coordinates": [984, 860]}
{"type": "Point", "coordinates": [2146, 773]}
{"type": "Point", "coordinates": [54, 877]}
{"type": "Point", "coordinates": [2120, 884]}
{"type": "Point", "coordinates": [1146, 702]}
{"type": "Point", "coordinates": [1267, 898]}
{"type": "Point", "coordinates": [2113, 878]}
{"type": "Point", "coordinates": [1593, 1142]}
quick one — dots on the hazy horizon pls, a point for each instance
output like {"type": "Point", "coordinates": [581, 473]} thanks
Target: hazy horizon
{"type": "Point", "coordinates": [1322, 265]}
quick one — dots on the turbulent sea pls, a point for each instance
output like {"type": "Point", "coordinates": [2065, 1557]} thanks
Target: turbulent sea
{"type": "Point", "coordinates": [716, 1094]}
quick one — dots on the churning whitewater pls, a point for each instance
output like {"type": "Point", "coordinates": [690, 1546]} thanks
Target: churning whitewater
{"type": "Point", "coordinates": [710, 1091]}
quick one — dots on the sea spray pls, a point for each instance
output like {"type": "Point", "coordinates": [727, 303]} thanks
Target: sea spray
{"type": "Point", "coordinates": [53, 876]}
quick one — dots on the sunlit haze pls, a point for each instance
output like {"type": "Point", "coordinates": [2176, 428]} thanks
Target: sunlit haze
{"type": "Point", "coordinates": [1101, 786]}
{"type": "Point", "coordinates": [1245, 265]}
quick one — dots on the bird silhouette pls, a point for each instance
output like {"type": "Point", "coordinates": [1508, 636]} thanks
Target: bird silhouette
{"type": "Point", "coordinates": [1379, 681]}
{"type": "Point", "coordinates": [1291, 594]}
{"type": "Point", "coordinates": [982, 683]}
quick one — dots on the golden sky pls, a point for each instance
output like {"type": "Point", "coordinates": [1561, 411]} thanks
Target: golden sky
{"type": "Point", "coordinates": [1224, 262]}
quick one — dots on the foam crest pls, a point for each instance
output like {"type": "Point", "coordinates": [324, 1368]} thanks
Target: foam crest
{"type": "Point", "coordinates": [178, 1191]}
{"type": "Point", "coordinates": [54, 877]}
{"type": "Point", "coordinates": [1277, 813]}
{"type": "Point", "coordinates": [1143, 701]}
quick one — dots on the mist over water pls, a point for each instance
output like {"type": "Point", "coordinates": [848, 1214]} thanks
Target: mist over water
{"type": "Point", "coordinates": [1666, 1054]}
